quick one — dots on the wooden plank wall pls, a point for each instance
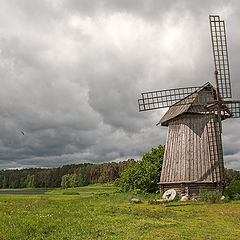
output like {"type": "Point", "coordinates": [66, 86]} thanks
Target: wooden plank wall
{"type": "Point", "coordinates": [187, 152]}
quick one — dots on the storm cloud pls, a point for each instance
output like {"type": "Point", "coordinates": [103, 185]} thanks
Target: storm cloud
{"type": "Point", "coordinates": [71, 72]}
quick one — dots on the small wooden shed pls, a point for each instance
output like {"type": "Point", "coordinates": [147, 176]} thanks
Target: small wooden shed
{"type": "Point", "coordinates": [193, 158]}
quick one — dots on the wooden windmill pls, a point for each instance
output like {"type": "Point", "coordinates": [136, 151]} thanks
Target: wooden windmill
{"type": "Point", "coordinates": [193, 156]}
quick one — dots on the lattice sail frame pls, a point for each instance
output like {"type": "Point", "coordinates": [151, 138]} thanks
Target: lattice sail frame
{"type": "Point", "coordinates": [220, 54]}
{"type": "Point", "coordinates": [164, 98]}
{"type": "Point", "coordinates": [234, 107]}
{"type": "Point", "coordinates": [167, 98]}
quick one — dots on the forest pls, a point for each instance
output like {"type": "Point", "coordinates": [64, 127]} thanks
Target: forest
{"type": "Point", "coordinates": [73, 175]}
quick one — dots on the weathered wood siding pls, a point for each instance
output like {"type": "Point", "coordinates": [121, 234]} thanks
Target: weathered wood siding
{"type": "Point", "coordinates": [193, 151]}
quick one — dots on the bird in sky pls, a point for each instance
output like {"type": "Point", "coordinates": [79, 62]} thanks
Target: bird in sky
{"type": "Point", "coordinates": [22, 132]}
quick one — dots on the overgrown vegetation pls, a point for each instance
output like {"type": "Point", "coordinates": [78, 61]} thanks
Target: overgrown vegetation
{"type": "Point", "coordinates": [107, 214]}
{"type": "Point", "coordinates": [233, 190]}
{"type": "Point", "coordinates": [208, 196]}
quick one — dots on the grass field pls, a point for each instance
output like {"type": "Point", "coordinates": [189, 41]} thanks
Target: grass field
{"type": "Point", "coordinates": [98, 212]}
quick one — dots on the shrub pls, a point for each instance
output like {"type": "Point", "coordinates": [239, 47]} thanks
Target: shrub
{"type": "Point", "coordinates": [233, 190]}
{"type": "Point", "coordinates": [208, 196]}
{"type": "Point", "coordinates": [69, 180]}
{"type": "Point", "coordinates": [145, 174]}
{"type": "Point", "coordinates": [236, 197]}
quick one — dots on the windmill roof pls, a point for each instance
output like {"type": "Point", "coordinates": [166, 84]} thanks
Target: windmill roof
{"type": "Point", "coordinates": [206, 93]}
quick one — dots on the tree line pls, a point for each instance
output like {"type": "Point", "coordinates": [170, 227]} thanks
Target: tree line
{"type": "Point", "coordinates": [66, 176]}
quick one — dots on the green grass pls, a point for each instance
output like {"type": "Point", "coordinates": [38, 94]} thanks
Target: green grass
{"type": "Point", "coordinates": [107, 214]}
{"type": "Point", "coordinates": [91, 189]}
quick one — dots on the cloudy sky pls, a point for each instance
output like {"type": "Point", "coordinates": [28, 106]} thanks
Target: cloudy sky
{"type": "Point", "coordinates": [71, 72]}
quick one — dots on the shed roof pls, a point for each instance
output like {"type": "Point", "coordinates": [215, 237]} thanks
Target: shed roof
{"type": "Point", "coordinates": [206, 93]}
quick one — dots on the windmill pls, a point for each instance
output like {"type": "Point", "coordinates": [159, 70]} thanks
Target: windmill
{"type": "Point", "coordinates": [193, 157]}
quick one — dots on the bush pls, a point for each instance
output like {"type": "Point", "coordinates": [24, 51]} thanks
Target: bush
{"type": "Point", "coordinates": [236, 197]}
{"type": "Point", "coordinates": [69, 181]}
{"type": "Point", "coordinates": [143, 175]}
{"type": "Point", "coordinates": [226, 199]}
{"type": "Point", "coordinates": [208, 196]}
{"type": "Point", "coordinates": [233, 190]}
{"type": "Point", "coordinates": [116, 182]}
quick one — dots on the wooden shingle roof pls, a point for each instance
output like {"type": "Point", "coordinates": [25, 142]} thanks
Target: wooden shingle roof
{"type": "Point", "coordinates": [206, 93]}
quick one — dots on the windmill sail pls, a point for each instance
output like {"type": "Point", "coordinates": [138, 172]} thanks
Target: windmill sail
{"type": "Point", "coordinates": [234, 107]}
{"type": "Point", "coordinates": [163, 98]}
{"type": "Point", "coordinates": [220, 54]}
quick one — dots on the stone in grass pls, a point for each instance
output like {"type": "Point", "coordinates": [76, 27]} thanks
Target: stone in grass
{"type": "Point", "coordinates": [135, 200]}
{"type": "Point", "coordinates": [184, 199]}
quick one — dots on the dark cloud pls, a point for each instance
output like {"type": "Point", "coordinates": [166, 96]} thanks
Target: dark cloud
{"type": "Point", "coordinates": [71, 73]}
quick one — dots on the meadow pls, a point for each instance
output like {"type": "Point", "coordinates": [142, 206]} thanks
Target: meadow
{"type": "Point", "coordinates": [102, 212]}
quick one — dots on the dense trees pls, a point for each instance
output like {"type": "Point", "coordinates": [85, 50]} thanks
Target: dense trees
{"type": "Point", "coordinates": [65, 176]}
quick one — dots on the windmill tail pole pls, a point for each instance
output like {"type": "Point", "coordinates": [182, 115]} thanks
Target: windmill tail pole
{"type": "Point", "coordinates": [218, 100]}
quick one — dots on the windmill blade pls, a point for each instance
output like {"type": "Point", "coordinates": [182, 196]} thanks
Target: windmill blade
{"type": "Point", "coordinates": [220, 54]}
{"type": "Point", "coordinates": [163, 98]}
{"type": "Point", "coordinates": [234, 107]}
